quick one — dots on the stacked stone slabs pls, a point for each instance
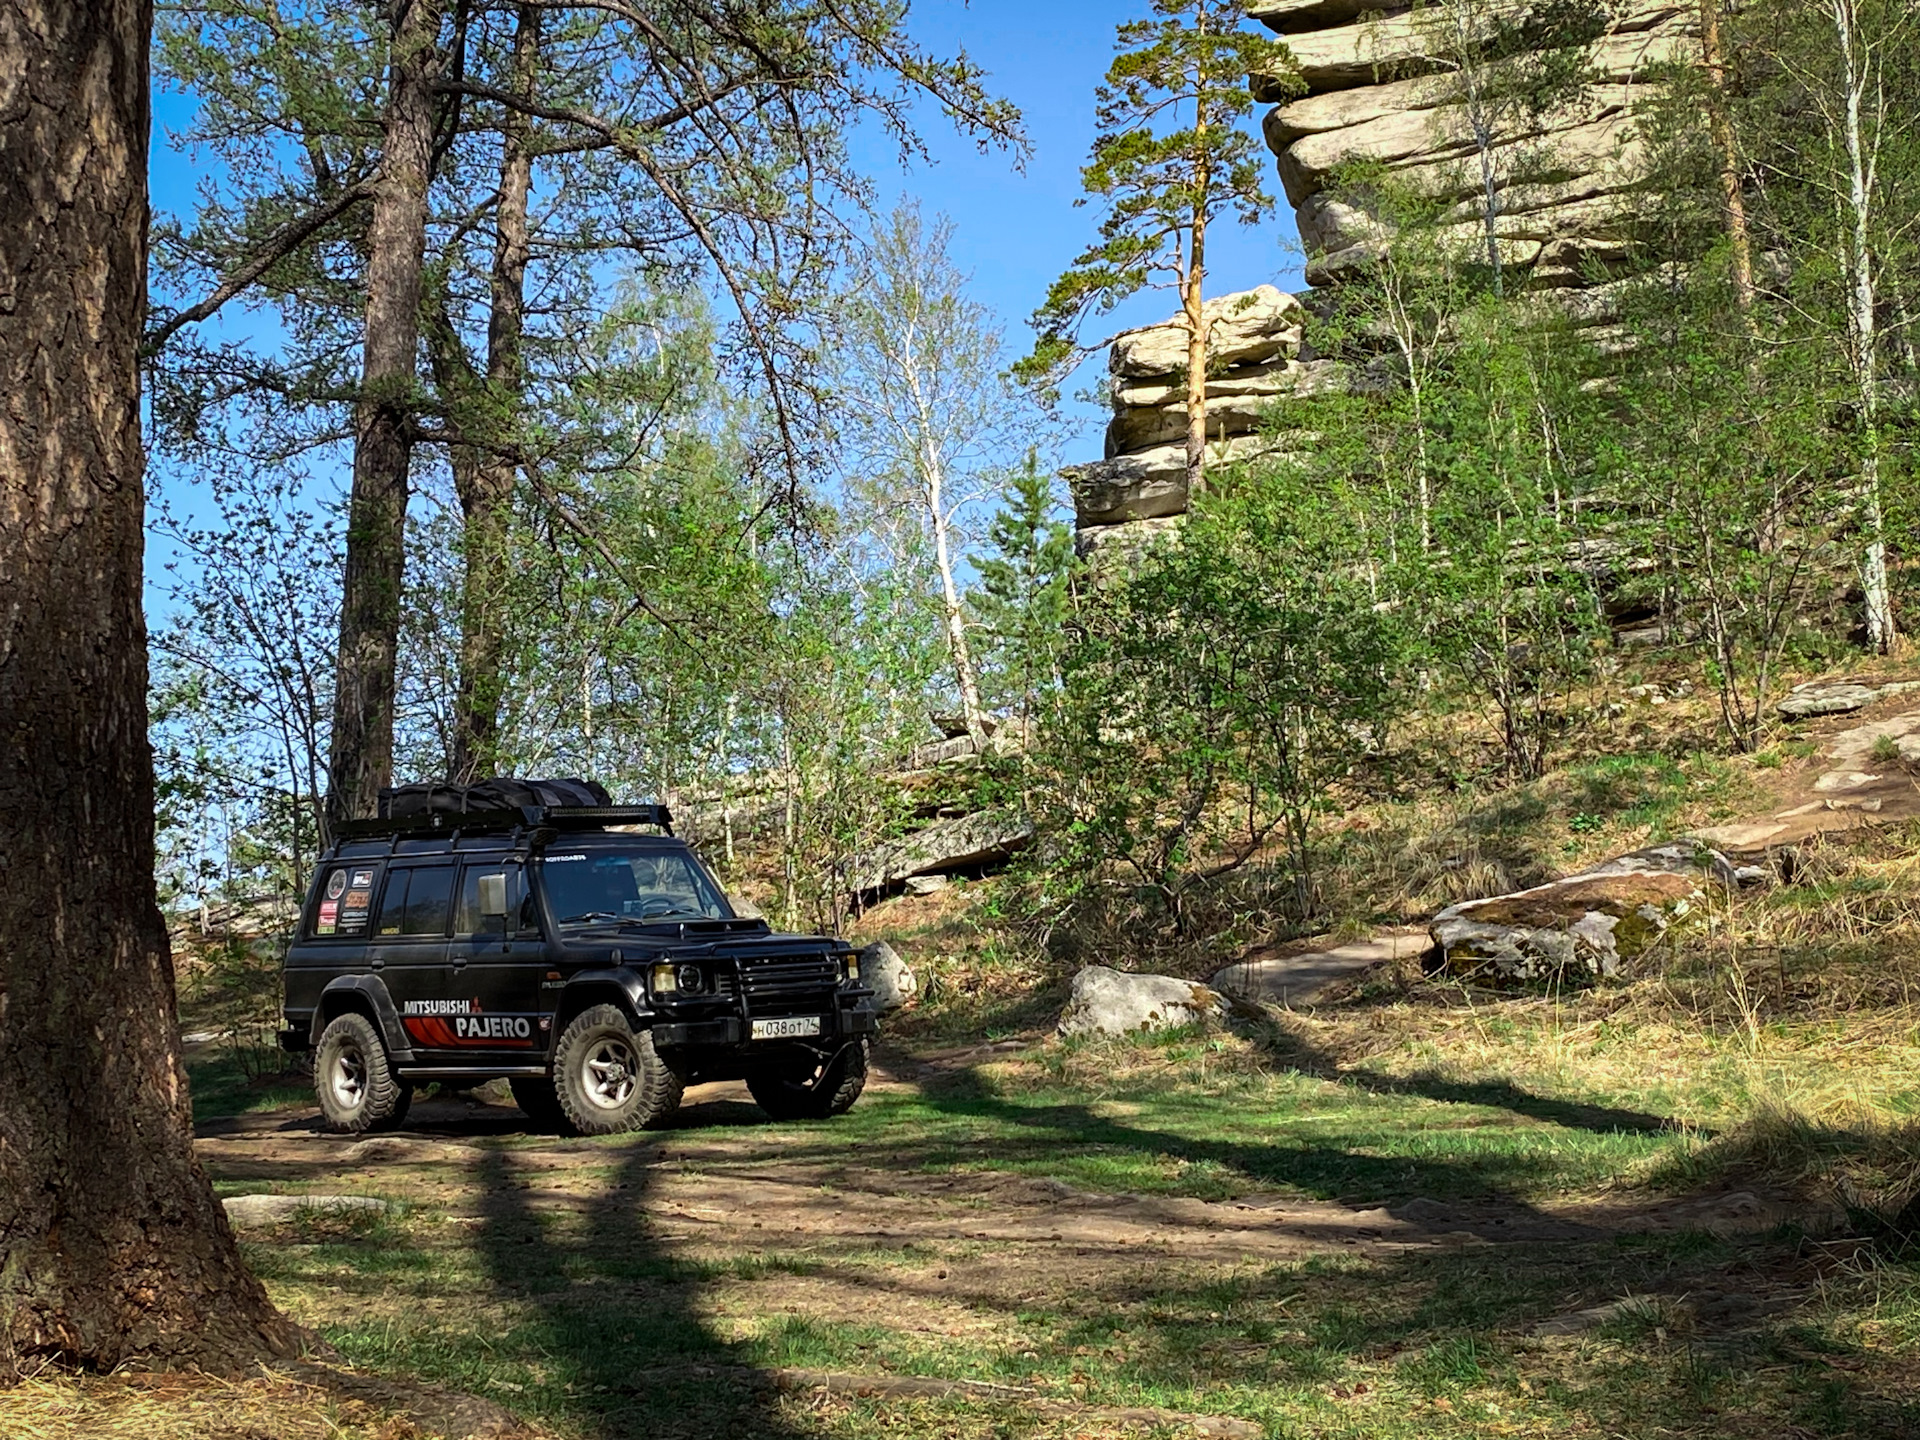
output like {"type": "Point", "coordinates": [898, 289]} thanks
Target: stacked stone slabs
{"type": "Point", "coordinates": [1373, 95]}
{"type": "Point", "coordinates": [1139, 489]}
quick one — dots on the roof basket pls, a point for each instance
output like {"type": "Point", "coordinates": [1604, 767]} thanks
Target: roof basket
{"type": "Point", "coordinates": [523, 817]}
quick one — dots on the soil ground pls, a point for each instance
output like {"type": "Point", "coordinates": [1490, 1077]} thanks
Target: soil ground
{"type": "Point", "coordinates": [882, 1275]}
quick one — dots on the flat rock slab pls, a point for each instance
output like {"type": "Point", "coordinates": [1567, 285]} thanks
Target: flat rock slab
{"type": "Point", "coordinates": [961, 842]}
{"type": "Point", "coordinates": [1295, 976]}
{"type": "Point", "coordinates": [1866, 778]}
{"type": "Point", "coordinates": [1838, 697]}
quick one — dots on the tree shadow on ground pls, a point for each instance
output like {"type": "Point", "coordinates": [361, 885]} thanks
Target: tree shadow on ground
{"type": "Point", "coordinates": [1290, 1046]}
{"type": "Point", "coordinates": [614, 1312]}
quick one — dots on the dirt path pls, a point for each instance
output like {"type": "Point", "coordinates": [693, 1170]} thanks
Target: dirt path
{"type": "Point", "coordinates": [725, 1180]}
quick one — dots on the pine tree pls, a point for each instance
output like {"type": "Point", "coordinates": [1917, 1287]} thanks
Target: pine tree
{"type": "Point", "coordinates": [1162, 187]}
{"type": "Point", "coordinates": [1024, 599]}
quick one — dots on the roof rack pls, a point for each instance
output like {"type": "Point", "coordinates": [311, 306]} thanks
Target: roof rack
{"type": "Point", "coordinates": [558, 817]}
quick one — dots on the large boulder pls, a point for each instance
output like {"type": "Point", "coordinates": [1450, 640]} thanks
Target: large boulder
{"type": "Point", "coordinates": [964, 842]}
{"type": "Point", "coordinates": [1244, 328]}
{"type": "Point", "coordinates": [1141, 426]}
{"type": "Point", "coordinates": [1111, 550]}
{"type": "Point", "coordinates": [1241, 403]}
{"type": "Point", "coordinates": [888, 976]}
{"type": "Point", "coordinates": [1575, 930]}
{"type": "Point", "coordinates": [1105, 1001]}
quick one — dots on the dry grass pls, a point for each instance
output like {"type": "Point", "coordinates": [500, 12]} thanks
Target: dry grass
{"type": "Point", "coordinates": [189, 1406]}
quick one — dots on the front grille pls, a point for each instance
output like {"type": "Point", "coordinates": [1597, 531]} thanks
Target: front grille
{"type": "Point", "coordinates": [787, 984]}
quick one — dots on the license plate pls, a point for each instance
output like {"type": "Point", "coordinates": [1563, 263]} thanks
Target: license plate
{"type": "Point", "coordinates": [786, 1029]}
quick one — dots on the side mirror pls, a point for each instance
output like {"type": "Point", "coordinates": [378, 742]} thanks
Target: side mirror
{"type": "Point", "coordinates": [493, 897]}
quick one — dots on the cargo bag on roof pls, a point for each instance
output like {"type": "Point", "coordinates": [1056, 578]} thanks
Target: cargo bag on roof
{"type": "Point", "coordinates": [405, 801]}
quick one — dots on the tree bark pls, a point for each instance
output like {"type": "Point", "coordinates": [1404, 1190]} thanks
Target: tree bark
{"type": "Point", "coordinates": [1857, 253]}
{"type": "Point", "coordinates": [486, 496]}
{"type": "Point", "coordinates": [1195, 308]}
{"type": "Point", "coordinates": [112, 1246]}
{"type": "Point", "coordinates": [1727, 153]}
{"type": "Point", "coordinates": [362, 748]}
{"type": "Point", "coordinates": [967, 679]}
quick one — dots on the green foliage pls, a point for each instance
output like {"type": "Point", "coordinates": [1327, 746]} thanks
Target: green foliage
{"type": "Point", "coordinates": [241, 689]}
{"type": "Point", "coordinates": [1459, 458]}
{"type": "Point", "coordinates": [1168, 156]}
{"type": "Point", "coordinates": [1023, 601]}
{"type": "Point", "coordinates": [1216, 696]}
{"type": "Point", "coordinates": [1506, 70]}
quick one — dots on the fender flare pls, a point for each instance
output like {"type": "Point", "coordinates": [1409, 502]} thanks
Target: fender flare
{"type": "Point", "coordinates": [373, 990]}
{"type": "Point", "coordinates": [626, 983]}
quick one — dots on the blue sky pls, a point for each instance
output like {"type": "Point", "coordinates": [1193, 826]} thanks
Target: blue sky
{"type": "Point", "coordinates": [1013, 231]}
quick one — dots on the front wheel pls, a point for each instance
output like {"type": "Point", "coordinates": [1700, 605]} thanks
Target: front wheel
{"type": "Point", "coordinates": [354, 1080]}
{"type": "Point", "coordinates": [815, 1094]}
{"type": "Point", "coordinates": [608, 1078]}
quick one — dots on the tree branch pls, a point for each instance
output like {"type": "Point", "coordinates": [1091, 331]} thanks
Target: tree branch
{"type": "Point", "coordinates": [282, 243]}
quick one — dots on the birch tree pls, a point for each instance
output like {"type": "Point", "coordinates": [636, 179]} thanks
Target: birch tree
{"type": "Point", "coordinates": [1851, 66]}
{"type": "Point", "coordinates": [930, 417]}
{"type": "Point", "coordinates": [1507, 70]}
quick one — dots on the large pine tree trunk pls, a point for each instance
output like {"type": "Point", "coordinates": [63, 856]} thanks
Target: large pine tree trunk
{"type": "Point", "coordinates": [1193, 305]}
{"type": "Point", "coordinates": [112, 1246]}
{"type": "Point", "coordinates": [364, 683]}
{"type": "Point", "coordinates": [486, 488]}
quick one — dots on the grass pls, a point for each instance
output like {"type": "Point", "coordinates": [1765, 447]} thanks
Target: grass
{"type": "Point", "coordinates": [623, 1289]}
{"type": "Point", "coordinates": [588, 1289]}
{"type": "Point", "coordinates": [224, 1087]}
{"type": "Point", "coordinates": [604, 1319]}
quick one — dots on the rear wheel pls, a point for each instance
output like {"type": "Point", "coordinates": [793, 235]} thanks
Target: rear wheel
{"type": "Point", "coordinates": [815, 1094]}
{"type": "Point", "coordinates": [608, 1078]}
{"type": "Point", "coordinates": [535, 1095]}
{"type": "Point", "coordinates": [354, 1080]}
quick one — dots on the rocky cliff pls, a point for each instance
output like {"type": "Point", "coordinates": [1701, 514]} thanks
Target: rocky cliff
{"type": "Point", "coordinates": [1377, 92]}
{"type": "Point", "coordinates": [1374, 95]}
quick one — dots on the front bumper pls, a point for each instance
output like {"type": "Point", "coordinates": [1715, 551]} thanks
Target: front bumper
{"type": "Point", "coordinates": [848, 1024]}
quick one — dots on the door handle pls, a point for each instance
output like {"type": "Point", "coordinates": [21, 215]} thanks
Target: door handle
{"type": "Point", "coordinates": [375, 962]}
{"type": "Point", "coordinates": [460, 962]}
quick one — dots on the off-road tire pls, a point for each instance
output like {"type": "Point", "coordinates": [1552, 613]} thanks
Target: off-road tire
{"type": "Point", "coordinates": [819, 1096]}
{"type": "Point", "coordinates": [535, 1095]}
{"type": "Point", "coordinates": [608, 1078]}
{"type": "Point", "coordinates": [354, 1080]}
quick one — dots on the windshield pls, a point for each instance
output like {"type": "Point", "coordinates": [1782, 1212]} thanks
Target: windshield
{"type": "Point", "coordinates": [585, 886]}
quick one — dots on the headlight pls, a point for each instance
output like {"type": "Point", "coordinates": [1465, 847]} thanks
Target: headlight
{"type": "Point", "coordinates": [690, 980]}
{"type": "Point", "coordinates": [853, 966]}
{"type": "Point", "coordinates": [664, 982]}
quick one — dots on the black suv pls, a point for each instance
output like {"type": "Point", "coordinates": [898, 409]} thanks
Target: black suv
{"type": "Point", "coordinates": [599, 969]}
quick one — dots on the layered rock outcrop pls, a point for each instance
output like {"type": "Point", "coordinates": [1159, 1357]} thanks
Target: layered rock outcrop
{"type": "Point", "coordinates": [1380, 90]}
{"type": "Point", "coordinates": [1254, 340]}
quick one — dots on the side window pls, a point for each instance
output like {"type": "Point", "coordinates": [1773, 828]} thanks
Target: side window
{"type": "Point", "coordinates": [393, 904]}
{"type": "Point", "coordinates": [467, 919]}
{"type": "Point", "coordinates": [427, 895]}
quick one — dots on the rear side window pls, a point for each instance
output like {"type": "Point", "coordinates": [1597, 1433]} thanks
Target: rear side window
{"type": "Point", "coordinates": [345, 902]}
{"type": "Point", "coordinates": [416, 901]}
